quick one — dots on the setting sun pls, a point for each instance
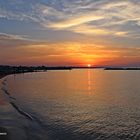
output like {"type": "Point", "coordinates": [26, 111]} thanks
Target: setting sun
{"type": "Point", "coordinates": [89, 65]}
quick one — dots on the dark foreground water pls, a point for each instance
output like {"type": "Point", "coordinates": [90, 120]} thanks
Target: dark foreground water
{"type": "Point", "coordinates": [71, 105]}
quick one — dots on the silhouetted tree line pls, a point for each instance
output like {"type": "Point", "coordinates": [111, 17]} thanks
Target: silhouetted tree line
{"type": "Point", "coordinates": [121, 68]}
{"type": "Point", "coordinates": [24, 69]}
{"type": "Point", "coordinates": [20, 69]}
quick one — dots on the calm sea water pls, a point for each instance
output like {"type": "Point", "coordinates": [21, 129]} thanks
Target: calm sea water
{"type": "Point", "coordinates": [73, 105]}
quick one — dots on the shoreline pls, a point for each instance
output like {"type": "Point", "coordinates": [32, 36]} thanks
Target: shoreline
{"type": "Point", "coordinates": [3, 130]}
{"type": "Point", "coordinates": [3, 75]}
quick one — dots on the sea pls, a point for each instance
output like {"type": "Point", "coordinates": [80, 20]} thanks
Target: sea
{"type": "Point", "coordinates": [78, 104]}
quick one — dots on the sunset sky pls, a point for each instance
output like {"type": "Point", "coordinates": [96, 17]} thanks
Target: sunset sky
{"type": "Point", "coordinates": [70, 32]}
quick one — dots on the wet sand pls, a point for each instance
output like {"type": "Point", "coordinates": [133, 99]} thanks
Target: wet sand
{"type": "Point", "coordinates": [3, 131]}
{"type": "Point", "coordinates": [13, 120]}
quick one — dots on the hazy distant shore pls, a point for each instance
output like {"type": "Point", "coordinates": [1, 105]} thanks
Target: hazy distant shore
{"type": "Point", "coordinates": [122, 68]}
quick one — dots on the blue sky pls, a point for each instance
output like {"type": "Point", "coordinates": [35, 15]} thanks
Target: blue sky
{"type": "Point", "coordinates": [107, 23]}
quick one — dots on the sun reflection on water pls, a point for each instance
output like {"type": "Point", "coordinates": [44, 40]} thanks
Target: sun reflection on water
{"type": "Point", "coordinates": [89, 81]}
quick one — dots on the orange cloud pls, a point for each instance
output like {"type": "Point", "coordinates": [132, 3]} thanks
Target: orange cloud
{"type": "Point", "coordinates": [68, 53]}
